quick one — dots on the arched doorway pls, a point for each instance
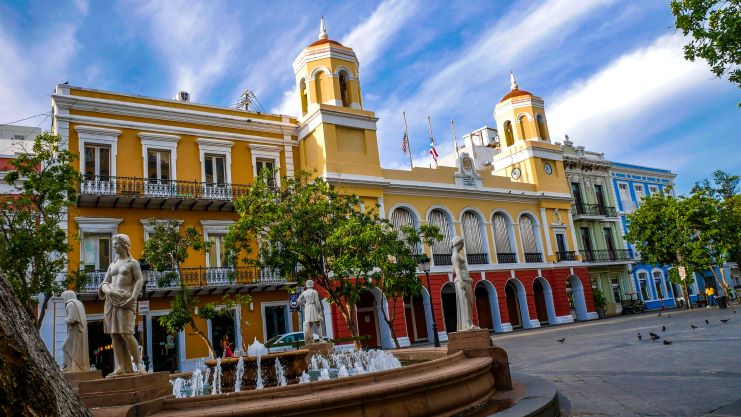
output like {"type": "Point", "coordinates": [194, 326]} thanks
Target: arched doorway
{"type": "Point", "coordinates": [543, 297]}
{"type": "Point", "coordinates": [483, 307]}
{"type": "Point", "coordinates": [492, 300]}
{"type": "Point", "coordinates": [367, 319]}
{"type": "Point", "coordinates": [513, 305]}
{"type": "Point", "coordinates": [415, 317]}
{"type": "Point", "coordinates": [450, 311]}
{"type": "Point", "coordinates": [575, 292]}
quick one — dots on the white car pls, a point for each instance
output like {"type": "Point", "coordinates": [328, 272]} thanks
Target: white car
{"type": "Point", "coordinates": [286, 342]}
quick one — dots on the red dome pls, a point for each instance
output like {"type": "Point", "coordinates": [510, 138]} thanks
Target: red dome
{"type": "Point", "coordinates": [323, 41]}
{"type": "Point", "coordinates": [516, 93]}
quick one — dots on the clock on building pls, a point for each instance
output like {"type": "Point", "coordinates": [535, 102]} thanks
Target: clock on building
{"type": "Point", "coordinates": [548, 168]}
{"type": "Point", "coordinates": [516, 173]}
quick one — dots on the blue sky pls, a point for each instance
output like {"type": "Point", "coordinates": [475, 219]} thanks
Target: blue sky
{"type": "Point", "coordinates": [611, 72]}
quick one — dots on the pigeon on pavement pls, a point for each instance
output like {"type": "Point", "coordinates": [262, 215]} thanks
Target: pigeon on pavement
{"type": "Point", "coordinates": [663, 328]}
{"type": "Point", "coordinates": [693, 326]}
{"type": "Point", "coordinates": [668, 342]}
{"type": "Point", "coordinates": [706, 321]}
{"type": "Point", "coordinates": [561, 340]}
{"type": "Point", "coordinates": [724, 320]}
{"type": "Point", "coordinates": [654, 336]}
{"type": "Point", "coordinates": [640, 337]}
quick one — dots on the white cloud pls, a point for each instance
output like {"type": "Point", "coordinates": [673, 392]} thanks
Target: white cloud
{"type": "Point", "coordinates": [634, 88]}
{"type": "Point", "coordinates": [197, 40]}
{"type": "Point", "coordinates": [368, 39]}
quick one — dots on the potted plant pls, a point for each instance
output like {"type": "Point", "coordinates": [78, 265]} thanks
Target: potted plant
{"type": "Point", "coordinates": [600, 302]}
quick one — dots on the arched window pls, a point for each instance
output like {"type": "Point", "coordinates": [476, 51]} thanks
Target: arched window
{"type": "Point", "coordinates": [304, 96]}
{"type": "Point", "coordinates": [441, 249]}
{"type": "Point", "coordinates": [524, 131]}
{"type": "Point", "coordinates": [401, 217]}
{"type": "Point", "coordinates": [659, 284]}
{"type": "Point", "coordinates": [542, 131]}
{"type": "Point", "coordinates": [344, 94]}
{"type": "Point", "coordinates": [643, 283]}
{"type": "Point", "coordinates": [318, 81]}
{"type": "Point", "coordinates": [528, 235]}
{"type": "Point", "coordinates": [474, 239]}
{"type": "Point", "coordinates": [503, 239]}
{"type": "Point", "coordinates": [509, 138]}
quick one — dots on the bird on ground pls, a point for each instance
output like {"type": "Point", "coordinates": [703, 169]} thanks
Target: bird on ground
{"type": "Point", "coordinates": [706, 321]}
{"type": "Point", "coordinates": [663, 328]}
{"type": "Point", "coordinates": [659, 315]}
{"type": "Point", "coordinates": [693, 326]}
{"type": "Point", "coordinates": [640, 337]}
{"type": "Point", "coordinates": [724, 320]}
{"type": "Point", "coordinates": [561, 340]}
{"type": "Point", "coordinates": [654, 336]}
{"type": "Point", "coordinates": [668, 342]}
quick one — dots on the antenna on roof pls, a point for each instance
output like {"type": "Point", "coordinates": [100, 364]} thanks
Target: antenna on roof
{"type": "Point", "coordinates": [248, 101]}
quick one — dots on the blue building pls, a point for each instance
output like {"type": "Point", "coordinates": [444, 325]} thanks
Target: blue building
{"type": "Point", "coordinates": [631, 184]}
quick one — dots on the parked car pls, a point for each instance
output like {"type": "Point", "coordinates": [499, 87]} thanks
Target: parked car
{"type": "Point", "coordinates": [287, 341]}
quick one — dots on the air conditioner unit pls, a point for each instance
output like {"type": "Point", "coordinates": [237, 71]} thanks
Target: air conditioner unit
{"type": "Point", "coordinates": [183, 96]}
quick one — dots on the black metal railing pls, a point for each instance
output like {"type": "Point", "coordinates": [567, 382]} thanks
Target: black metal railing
{"type": "Point", "coordinates": [157, 188]}
{"type": "Point", "coordinates": [477, 258]}
{"type": "Point", "coordinates": [533, 257]}
{"type": "Point", "coordinates": [607, 255]}
{"type": "Point", "coordinates": [595, 210]}
{"type": "Point", "coordinates": [566, 255]}
{"type": "Point", "coordinates": [442, 259]}
{"type": "Point", "coordinates": [196, 277]}
{"type": "Point", "coordinates": [507, 258]}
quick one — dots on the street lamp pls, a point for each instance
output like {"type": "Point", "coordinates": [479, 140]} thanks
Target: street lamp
{"type": "Point", "coordinates": [424, 265]}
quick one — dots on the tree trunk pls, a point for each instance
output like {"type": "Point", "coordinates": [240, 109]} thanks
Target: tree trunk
{"type": "Point", "coordinates": [31, 383]}
{"type": "Point", "coordinates": [347, 313]}
{"type": "Point", "coordinates": [203, 337]}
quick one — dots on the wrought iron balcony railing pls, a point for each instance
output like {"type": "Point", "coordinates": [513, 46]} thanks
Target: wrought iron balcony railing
{"type": "Point", "coordinates": [196, 277]}
{"type": "Point", "coordinates": [441, 259]}
{"type": "Point", "coordinates": [507, 258]}
{"type": "Point", "coordinates": [607, 255]}
{"type": "Point", "coordinates": [477, 258]}
{"type": "Point", "coordinates": [107, 190]}
{"type": "Point", "coordinates": [566, 255]}
{"type": "Point", "coordinates": [533, 257]}
{"type": "Point", "coordinates": [594, 210]}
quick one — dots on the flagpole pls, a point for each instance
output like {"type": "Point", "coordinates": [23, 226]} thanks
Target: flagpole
{"type": "Point", "coordinates": [409, 142]}
{"type": "Point", "coordinates": [432, 139]}
{"type": "Point", "coordinates": [455, 139]}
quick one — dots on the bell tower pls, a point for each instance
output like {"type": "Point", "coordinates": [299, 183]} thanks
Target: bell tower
{"type": "Point", "coordinates": [526, 152]}
{"type": "Point", "coordinates": [337, 136]}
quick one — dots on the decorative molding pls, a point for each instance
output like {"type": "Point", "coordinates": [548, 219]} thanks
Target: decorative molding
{"type": "Point", "coordinates": [216, 226]}
{"type": "Point", "coordinates": [160, 141]}
{"type": "Point", "coordinates": [320, 116]}
{"type": "Point", "coordinates": [98, 224]}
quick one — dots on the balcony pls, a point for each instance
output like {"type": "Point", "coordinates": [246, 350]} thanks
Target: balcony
{"type": "Point", "coordinates": [566, 256]}
{"type": "Point", "coordinates": [442, 259]}
{"type": "Point", "coordinates": [533, 257]}
{"type": "Point", "coordinates": [477, 258]}
{"type": "Point", "coordinates": [507, 258]}
{"type": "Point", "coordinates": [132, 192]}
{"type": "Point", "coordinates": [593, 210]}
{"type": "Point", "coordinates": [607, 255]}
{"type": "Point", "coordinates": [202, 280]}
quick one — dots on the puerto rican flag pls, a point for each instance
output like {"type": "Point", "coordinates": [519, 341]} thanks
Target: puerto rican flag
{"type": "Point", "coordinates": [405, 143]}
{"type": "Point", "coordinates": [433, 152]}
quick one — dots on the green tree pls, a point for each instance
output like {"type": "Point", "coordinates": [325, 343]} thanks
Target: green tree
{"type": "Point", "coordinates": [307, 229]}
{"type": "Point", "coordinates": [715, 26]}
{"type": "Point", "coordinates": [33, 245]}
{"type": "Point", "coordinates": [165, 251]}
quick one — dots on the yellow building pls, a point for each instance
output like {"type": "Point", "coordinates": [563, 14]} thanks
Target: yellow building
{"type": "Point", "coordinates": [148, 158]}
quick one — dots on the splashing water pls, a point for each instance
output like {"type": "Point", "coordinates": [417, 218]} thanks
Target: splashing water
{"type": "Point", "coordinates": [238, 375]}
{"type": "Point", "coordinates": [177, 387]}
{"type": "Point", "coordinates": [324, 374]}
{"type": "Point", "coordinates": [196, 382]}
{"type": "Point", "coordinates": [257, 349]}
{"type": "Point", "coordinates": [259, 384]}
{"type": "Point", "coordinates": [280, 373]}
{"type": "Point", "coordinates": [216, 384]}
{"type": "Point", "coordinates": [342, 372]}
{"type": "Point", "coordinates": [314, 365]}
{"type": "Point", "coordinates": [304, 378]}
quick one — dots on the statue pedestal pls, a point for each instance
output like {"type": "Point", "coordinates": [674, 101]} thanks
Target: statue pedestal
{"type": "Point", "coordinates": [139, 393]}
{"type": "Point", "coordinates": [476, 344]}
{"type": "Point", "coordinates": [75, 378]}
{"type": "Point", "coordinates": [318, 348]}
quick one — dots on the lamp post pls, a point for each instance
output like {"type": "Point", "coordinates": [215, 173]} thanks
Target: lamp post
{"type": "Point", "coordinates": [424, 265]}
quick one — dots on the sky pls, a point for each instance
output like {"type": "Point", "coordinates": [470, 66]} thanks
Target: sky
{"type": "Point", "coordinates": [611, 72]}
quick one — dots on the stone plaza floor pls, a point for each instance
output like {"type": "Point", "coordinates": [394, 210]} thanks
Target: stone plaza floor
{"type": "Point", "coordinates": [604, 370]}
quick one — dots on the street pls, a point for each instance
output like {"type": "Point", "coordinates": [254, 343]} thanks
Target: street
{"type": "Point", "coordinates": [604, 370]}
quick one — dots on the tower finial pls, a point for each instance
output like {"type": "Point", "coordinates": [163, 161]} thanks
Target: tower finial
{"type": "Point", "coordinates": [512, 82]}
{"type": "Point", "coordinates": [322, 30]}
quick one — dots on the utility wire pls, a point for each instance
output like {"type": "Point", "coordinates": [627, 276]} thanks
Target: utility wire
{"type": "Point", "coordinates": [21, 120]}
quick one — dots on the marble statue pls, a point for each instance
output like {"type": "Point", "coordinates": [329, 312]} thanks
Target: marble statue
{"type": "Point", "coordinates": [463, 287]}
{"type": "Point", "coordinates": [120, 289]}
{"type": "Point", "coordinates": [313, 311]}
{"type": "Point", "coordinates": [76, 354]}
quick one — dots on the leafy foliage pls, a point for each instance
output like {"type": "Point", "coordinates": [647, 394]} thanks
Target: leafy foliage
{"type": "Point", "coordinates": [600, 302]}
{"type": "Point", "coordinates": [715, 26]}
{"type": "Point", "coordinates": [166, 250]}
{"type": "Point", "coordinates": [33, 246]}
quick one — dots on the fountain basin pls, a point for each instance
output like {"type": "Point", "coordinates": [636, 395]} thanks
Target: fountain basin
{"type": "Point", "coordinates": [294, 363]}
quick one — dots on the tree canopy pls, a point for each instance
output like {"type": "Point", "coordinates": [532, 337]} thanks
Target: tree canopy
{"type": "Point", "coordinates": [33, 245]}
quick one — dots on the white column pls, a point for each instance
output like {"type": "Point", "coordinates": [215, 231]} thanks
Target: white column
{"type": "Point", "coordinates": [288, 151]}
{"type": "Point", "coordinates": [573, 231]}
{"type": "Point", "coordinates": [381, 208]}
{"type": "Point", "coordinates": [546, 231]}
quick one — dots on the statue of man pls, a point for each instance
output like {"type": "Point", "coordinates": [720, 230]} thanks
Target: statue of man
{"type": "Point", "coordinates": [463, 287]}
{"type": "Point", "coordinates": [76, 354]}
{"type": "Point", "coordinates": [120, 289]}
{"type": "Point", "coordinates": [313, 311]}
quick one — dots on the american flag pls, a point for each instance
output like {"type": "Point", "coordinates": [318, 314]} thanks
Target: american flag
{"type": "Point", "coordinates": [405, 143]}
